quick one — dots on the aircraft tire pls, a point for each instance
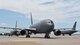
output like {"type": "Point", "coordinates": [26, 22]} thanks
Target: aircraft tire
{"type": "Point", "coordinates": [27, 36]}
{"type": "Point", "coordinates": [69, 34]}
{"type": "Point", "coordinates": [47, 36]}
{"type": "Point", "coordinates": [63, 34]}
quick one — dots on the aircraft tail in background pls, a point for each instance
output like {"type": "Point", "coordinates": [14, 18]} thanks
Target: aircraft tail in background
{"type": "Point", "coordinates": [31, 18]}
{"type": "Point", "coordinates": [16, 25]}
{"type": "Point", "coordinates": [74, 26]}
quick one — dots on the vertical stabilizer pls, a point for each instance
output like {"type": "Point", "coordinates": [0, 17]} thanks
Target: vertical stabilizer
{"type": "Point", "coordinates": [16, 25]}
{"type": "Point", "coordinates": [31, 18]}
{"type": "Point", "coordinates": [74, 26]}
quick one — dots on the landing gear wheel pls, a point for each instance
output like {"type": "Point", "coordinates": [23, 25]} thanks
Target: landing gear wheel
{"type": "Point", "coordinates": [69, 34]}
{"type": "Point", "coordinates": [63, 34]}
{"type": "Point", "coordinates": [27, 36]}
{"type": "Point", "coordinates": [47, 36]}
{"type": "Point", "coordinates": [17, 35]}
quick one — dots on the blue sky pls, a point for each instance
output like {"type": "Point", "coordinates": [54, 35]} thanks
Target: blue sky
{"type": "Point", "coordinates": [8, 19]}
{"type": "Point", "coordinates": [63, 12]}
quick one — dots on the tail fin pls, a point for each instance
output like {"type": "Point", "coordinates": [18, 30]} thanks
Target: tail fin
{"type": "Point", "coordinates": [31, 18]}
{"type": "Point", "coordinates": [74, 26]}
{"type": "Point", "coordinates": [16, 25]}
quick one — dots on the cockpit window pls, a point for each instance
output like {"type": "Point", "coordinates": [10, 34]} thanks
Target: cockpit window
{"type": "Point", "coordinates": [51, 21]}
{"type": "Point", "coordinates": [48, 21]}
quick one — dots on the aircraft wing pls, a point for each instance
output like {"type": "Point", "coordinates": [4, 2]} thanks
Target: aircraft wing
{"type": "Point", "coordinates": [10, 28]}
{"type": "Point", "coordinates": [63, 29]}
{"type": "Point", "coordinates": [29, 29]}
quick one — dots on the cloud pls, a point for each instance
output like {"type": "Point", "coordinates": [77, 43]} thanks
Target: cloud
{"type": "Point", "coordinates": [46, 3]}
{"type": "Point", "coordinates": [58, 10]}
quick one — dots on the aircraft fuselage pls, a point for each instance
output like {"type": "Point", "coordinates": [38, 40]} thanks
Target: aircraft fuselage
{"type": "Point", "coordinates": [43, 26]}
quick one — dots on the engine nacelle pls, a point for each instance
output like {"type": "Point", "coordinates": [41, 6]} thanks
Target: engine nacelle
{"type": "Point", "coordinates": [57, 33]}
{"type": "Point", "coordinates": [22, 32]}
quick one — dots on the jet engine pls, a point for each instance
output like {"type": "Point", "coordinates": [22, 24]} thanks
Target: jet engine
{"type": "Point", "coordinates": [23, 32]}
{"type": "Point", "coordinates": [57, 33]}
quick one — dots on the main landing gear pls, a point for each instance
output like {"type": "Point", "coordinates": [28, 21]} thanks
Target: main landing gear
{"type": "Point", "coordinates": [28, 36]}
{"type": "Point", "coordinates": [46, 36]}
{"type": "Point", "coordinates": [69, 34]}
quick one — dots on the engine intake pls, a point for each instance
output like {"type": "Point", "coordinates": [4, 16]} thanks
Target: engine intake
{"type": "Point", "coordinates": [57, 33]}
{"type": "Point", "coordinates": [22, 32]}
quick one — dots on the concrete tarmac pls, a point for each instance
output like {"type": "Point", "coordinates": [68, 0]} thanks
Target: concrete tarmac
{"type": "Point", "coordinates": [39, 40]}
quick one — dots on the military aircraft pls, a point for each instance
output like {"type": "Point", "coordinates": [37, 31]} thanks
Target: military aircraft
{"type": "Point", "coordinates": [14, 31]}
{"type": "Point", "coordinates": [69, 31]}
{"type": "Point", "coordinates": [43, 27]}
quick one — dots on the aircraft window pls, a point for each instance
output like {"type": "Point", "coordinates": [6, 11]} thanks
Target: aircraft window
{"type": "Point", "coordinates": [49, 22]}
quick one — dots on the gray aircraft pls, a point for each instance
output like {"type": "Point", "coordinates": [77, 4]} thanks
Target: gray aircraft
{"type": "Point", "coordinates": [43, 27]}
{"type": "Point", "coordinates": [13, 32]}
{"type": "Point", "coordinates": [68, 30]}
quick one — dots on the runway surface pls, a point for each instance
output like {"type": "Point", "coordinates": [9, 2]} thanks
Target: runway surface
{"type": "Point", "coordinates": [39, 40]}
